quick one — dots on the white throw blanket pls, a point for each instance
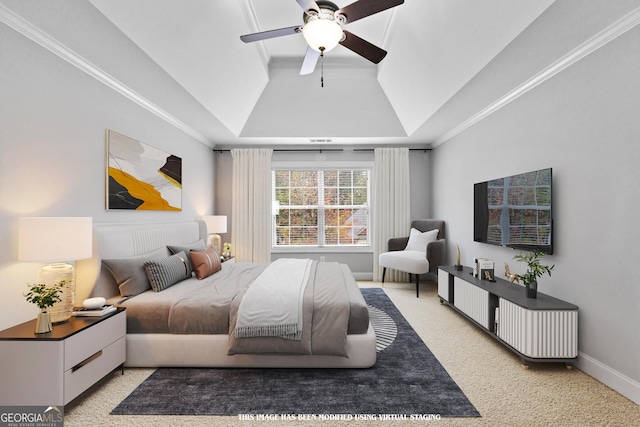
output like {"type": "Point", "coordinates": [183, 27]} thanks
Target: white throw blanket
{"type": "Point", "coordinates": [272, 306]}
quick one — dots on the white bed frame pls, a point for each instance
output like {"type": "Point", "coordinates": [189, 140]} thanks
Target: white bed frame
{"type": "Point", "coordinates": [155, 350]}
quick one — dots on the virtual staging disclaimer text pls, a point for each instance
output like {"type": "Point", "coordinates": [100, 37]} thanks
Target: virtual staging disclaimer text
{"type": "Point", "coordinates": [338, 417]}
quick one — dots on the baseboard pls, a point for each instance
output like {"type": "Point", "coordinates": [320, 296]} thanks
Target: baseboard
{"type": "Point", "coordinates": [628, 387]}
{"type": "Point", "coordinates": [363, 276]}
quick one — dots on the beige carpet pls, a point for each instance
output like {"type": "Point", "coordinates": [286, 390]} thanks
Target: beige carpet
{"type": "Point", "coordinates": [491, 377]}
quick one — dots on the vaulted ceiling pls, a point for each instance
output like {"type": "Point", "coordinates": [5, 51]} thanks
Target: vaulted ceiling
{"type": "Point", "coordinates": [255, 95]}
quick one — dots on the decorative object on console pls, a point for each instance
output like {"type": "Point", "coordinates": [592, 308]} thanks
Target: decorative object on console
{"type": "Point", "coordinates": [48, 239]}
{"type": "Point", "coordinates": [226, 250]}
{"type": "Point", "coordinates": [458, 265]}
{"type": "Point", "coordinates": [44, 297]}
{"type": "Point", "coordinates": [484, 269]}
{"type": "Point", "coordinates": [93, 303]}
{"type": "Point", "coordinates": [141, 177]}
{"type": "Point", "coordinates": [511, 276]}
{"type": "Point", "coordinates": [535, 270]}
{"type": "Point", "coordinates": [215, 224]}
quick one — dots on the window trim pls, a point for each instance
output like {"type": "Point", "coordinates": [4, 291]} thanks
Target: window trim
{"type": "Point", "coordinates": [329, 165]}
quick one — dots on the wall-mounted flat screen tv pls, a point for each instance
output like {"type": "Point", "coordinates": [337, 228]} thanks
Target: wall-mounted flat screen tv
{"type": "Point", "coordinates": [515, 211]}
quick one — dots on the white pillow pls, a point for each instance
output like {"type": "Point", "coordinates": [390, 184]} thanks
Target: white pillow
{"type": "Point", "coordinates": [418, 241]}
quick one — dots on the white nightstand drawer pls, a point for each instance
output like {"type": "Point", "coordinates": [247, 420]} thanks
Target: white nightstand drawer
{"type": "Point", "coordinates": [93, 368]}
{"type": "Point", "coordinates": [91, 340]}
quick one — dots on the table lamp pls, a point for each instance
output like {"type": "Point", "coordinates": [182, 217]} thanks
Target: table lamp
{"type": "Point", "coordinates": [215, 224]}
{"type": "Point", "coordinates": [56, 239]}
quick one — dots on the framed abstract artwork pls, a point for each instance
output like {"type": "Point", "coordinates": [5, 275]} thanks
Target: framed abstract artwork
{"type": "Point", "coordinates": [141, 177]}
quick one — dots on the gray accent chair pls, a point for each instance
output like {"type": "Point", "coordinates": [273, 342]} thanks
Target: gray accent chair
{"type": "Point", "coordinates": [435, 253]}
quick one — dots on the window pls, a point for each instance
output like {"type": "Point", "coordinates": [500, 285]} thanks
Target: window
{"type": "Point", "coordinates": [321, 207]}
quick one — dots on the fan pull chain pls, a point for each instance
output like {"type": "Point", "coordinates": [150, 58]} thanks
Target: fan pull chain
{"type": "Point", "coordinates": [321, 67]}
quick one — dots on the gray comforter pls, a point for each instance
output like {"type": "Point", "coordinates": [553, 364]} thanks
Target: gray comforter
{"type": "Point", "coordinates": [333, 307]}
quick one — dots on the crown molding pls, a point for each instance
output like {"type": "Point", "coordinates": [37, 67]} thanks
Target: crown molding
{"type": "Point", "coordinates": [33, 33]}
{"type": "Point", "coordinates": [252, 19]}
{"type": "Point", "coordinates": [610, 33]}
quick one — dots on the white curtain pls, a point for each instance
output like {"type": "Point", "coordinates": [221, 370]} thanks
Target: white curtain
{"type": "Point", "coordinates": [392, 204]}
{"type": "Point", "coordinates": [251, 205]}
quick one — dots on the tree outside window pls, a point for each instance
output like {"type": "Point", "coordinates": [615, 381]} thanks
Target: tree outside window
{"type": "Point", "coordinates": [324, 207]}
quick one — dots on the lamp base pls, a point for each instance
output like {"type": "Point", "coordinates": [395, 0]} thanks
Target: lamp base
{"type": "Point", "coordinates": [215, 241]}
{"type": "Point", "coordinates": [52, 274]}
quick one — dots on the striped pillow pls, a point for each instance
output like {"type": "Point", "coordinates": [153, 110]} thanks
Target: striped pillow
{"type": "Point", "coordinates": [205, 263]}
{"type": "Point", "coordinates": [165, 272]}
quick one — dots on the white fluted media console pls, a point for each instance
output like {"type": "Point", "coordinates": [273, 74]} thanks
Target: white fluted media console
{"type": "Point", "coordinates": [542, 329]}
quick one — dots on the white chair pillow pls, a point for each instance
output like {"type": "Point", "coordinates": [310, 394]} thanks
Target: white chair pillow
{"type": "Point", "coordinates": [418, 241]}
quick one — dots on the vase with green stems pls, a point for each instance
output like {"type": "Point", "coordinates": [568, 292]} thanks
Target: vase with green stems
{"type": "Point", "coordinates": [535, 270]}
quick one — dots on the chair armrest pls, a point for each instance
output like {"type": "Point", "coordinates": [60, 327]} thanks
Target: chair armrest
{"type": "Point", "coordinates": [397, 243]}
{"type": "Point", "coordinates": [436, 254]}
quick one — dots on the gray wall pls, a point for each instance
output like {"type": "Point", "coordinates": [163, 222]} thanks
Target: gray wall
{"type": "Point", "coordinates": [361, 264]}
{"type": "Point", "coordinates": [52, 149]}
{"type": "Point", "coordinates": [584, 124]}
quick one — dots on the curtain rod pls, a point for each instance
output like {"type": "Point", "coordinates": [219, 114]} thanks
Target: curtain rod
{"type": "Point", "coordinates": [320, 150]}
{"type": "Point", "coordinates": [293, 150]}
{"type": "Point", "coordinates": [410, 149]}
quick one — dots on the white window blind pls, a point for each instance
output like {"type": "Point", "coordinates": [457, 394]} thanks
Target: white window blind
{"type": "Point", "coordinates": [321, 207]}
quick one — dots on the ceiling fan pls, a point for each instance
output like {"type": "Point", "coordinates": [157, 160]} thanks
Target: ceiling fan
{"type": "Point", "coordinates": [323, 31]}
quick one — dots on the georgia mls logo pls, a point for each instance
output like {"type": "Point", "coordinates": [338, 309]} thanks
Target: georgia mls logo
{"type": "Point", "coordinates": [32, 416]}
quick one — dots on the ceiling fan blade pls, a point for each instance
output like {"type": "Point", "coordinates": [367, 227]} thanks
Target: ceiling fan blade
{"type": "Point", "coordinates": [248, 38]}
{"type": "Point", "coordinates": [363, 8]}
{"type": "Point", "coordinates": [308, 4]}
{"type": "Point", "coordinates": [310, 61]}
{"type": "Point", "coordinates": [363, 48]}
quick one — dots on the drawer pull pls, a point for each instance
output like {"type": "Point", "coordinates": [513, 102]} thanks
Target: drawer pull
{"type": "Point", "coordinates": [86, 361]}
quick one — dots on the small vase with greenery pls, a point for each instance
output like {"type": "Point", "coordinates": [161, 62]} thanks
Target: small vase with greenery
{"type": "Point", "coordinates": [44, 297]}
{"type": "Point", "coordinates": [535, 270]}
{"type": "Point", "coordinates": [226, 251]}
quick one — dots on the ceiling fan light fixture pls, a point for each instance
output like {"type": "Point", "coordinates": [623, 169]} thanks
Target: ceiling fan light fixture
{"type": "Point", "coordinates": [322, 34]}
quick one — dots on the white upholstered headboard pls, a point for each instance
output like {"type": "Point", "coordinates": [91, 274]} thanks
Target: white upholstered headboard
{"type": "Point", "coordinates": [127, 240]}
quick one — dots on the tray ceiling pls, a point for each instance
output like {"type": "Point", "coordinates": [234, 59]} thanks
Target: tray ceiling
{"type": "Point", "coordinates": [255, 95]}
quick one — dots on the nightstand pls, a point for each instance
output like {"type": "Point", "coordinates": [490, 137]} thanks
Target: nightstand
{"type": "Point", "coordinates": [230, 260]}
{"type": "Point", "coordinates": [54, 368]}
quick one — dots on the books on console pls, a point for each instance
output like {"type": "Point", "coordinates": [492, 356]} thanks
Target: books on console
{"type": "Point", "coordinates": [484, 269]}
{"type": "Point", "coordinates": [86, 312]}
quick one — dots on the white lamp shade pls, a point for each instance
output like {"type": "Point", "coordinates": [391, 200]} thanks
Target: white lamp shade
{"type": "Point", "coordinates": [215, 223]}
{"type": "Point", "coordinates": [322, 33]}
{"type": "Point", "coordinates": [52, 239]}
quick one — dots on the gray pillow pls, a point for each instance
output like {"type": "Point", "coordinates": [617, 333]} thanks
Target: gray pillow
{"type": "Point", "coordinates": [193, 246]}
{"type": "Point", "coordinates": [165, 272]}
{"type": "Point", "coordinates": [129, 272]}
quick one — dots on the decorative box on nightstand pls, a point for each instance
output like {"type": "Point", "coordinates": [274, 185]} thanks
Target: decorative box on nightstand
{"type": "Point", "coordinates": [56, 367]}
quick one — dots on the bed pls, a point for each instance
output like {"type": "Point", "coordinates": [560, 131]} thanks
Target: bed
{"type": "Point", "coordinates": [179, 326]}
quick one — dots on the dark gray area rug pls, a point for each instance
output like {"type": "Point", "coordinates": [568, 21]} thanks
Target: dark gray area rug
{"type": "Point", "coordinates": [406, 380]}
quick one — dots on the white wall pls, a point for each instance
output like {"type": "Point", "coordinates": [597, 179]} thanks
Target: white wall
{"type": "Point", "coordinates": [584, 124]}
{"type": "Point", "coordinates": [52, 155]}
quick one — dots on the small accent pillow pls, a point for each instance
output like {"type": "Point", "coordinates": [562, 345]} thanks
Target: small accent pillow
{"type": "Point", "coordinates": [193, 246]}
{"type": "Point", "coordinates": [418, 241]}
{"type": "Point", "coordinates": [165, 272]}
{"type": "Point", "coordinates": [205, 263]}
{"type": "Point", "coordinates": [129, 272]}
